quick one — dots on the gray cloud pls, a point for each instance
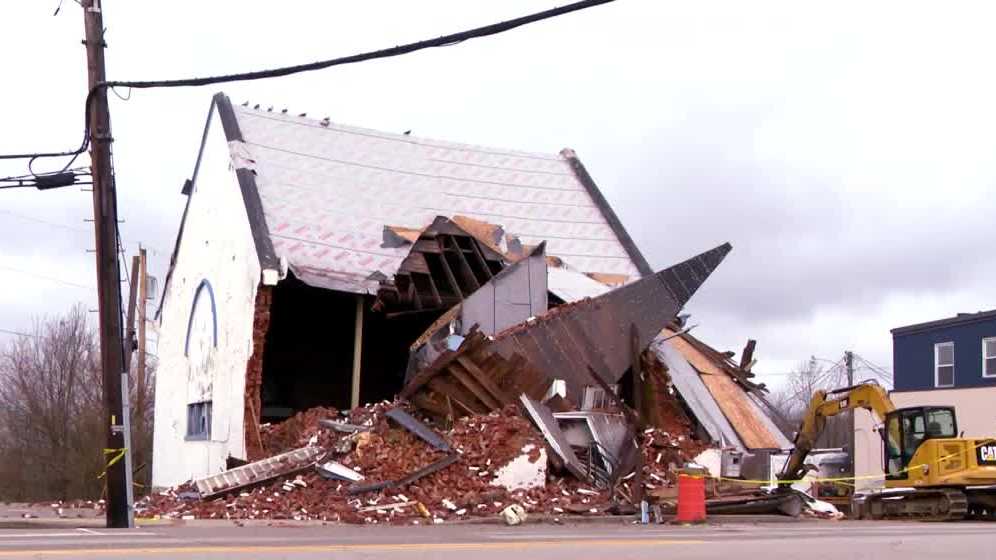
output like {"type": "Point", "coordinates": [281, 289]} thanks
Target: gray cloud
{"type": "Point", "coordinates": [845, 156]}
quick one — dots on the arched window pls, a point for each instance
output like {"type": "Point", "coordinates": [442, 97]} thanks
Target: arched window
{"type": "Point", "coordinates": [202, 326]}
{"type": "Point", "coordinates": [202, 338]}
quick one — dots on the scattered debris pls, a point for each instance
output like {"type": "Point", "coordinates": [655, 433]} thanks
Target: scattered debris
{"type": "Point", "coordinates": [292, 433]}
{"type": "Point", "coordinates": [410, 423]}
{"type": "Point", "coordinates": [608, 435]}
{"type": "Point", "coordinates": [425, 471]}
{"type": "Point", "coordinates": [525, 472]}
{"type": "Point", "coordinates": [555, 437]}
{"type": "Point", "coordinates": [514, 515]}
{"type": "Point", "coordinates": [343, 426]}
{"type": "Point", "coordinates": [812, 507]}
{"type": "Point", "coordinates": [338, 471]}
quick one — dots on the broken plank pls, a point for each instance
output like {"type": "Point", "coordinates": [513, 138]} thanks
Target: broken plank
{"type": "Point", "coordinates": [395, 505]}
{"type": "Point", "coordinates": [448, 272]}
{"type": "Point", "coordinates": [411, 424]}
{"type": "Point", "coordinates": [484, 380]}
{"type": "Point", "coordinates": [458, 394]}
{"type": "Point", "coordinates": [465, 379]}
{"type": "Point", "coordinates": [427, 404]}
{"type": "Point", "coordinates": [475, 282]}
{"type": "Point", "coordinates": [425, 246]}
{"type": "Point", "coordinates": [479, 257]}
{"type": "Point", "coordinates": [343, 426]}
{"type": "Point", "coordinates": [415, 262]}
{"type": "Point", "coordinates": [425, 471]}
{"type": "Point", "coordinates": [473, 339]}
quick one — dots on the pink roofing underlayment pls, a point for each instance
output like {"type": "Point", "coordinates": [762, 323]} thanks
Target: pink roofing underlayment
{"type": "Point", "coordinates": [328, 191]}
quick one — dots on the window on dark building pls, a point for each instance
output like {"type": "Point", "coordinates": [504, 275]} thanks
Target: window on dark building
{"type": "Point", "coordinates": [989, 357]}
{"type": "Point", "coordinates": [944, 365]}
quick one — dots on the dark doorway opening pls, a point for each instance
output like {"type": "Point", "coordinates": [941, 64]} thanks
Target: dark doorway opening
{"type": "Point", "coordinates": [308, 350]}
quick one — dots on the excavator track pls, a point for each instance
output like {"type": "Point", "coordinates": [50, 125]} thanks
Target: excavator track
{"type": "Point", "coordinates": [921, 504]}
{"type": "Point", "coordinates": [981, 503]}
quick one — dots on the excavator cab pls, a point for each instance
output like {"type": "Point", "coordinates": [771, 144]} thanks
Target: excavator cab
{"type": "Point", "coordinates": [906, 429]}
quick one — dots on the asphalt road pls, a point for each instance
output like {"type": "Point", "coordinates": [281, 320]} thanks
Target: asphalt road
{"type": "Point", "coordinates": [795, 540]}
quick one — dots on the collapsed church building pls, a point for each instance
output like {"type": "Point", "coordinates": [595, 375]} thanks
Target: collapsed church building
{"type": "Point", "coordinates": [321, 265]}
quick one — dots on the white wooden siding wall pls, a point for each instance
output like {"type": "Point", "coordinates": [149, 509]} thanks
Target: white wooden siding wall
{"type": "Point", "coordinates": [217, 246]}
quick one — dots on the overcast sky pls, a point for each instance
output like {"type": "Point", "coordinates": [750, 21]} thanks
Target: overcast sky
{"type": "Point", "coordinates": [845, 151]}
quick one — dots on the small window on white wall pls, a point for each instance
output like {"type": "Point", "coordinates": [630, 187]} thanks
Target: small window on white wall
{"type": "Point", "coordinates": [199, 421]}
{"type": "Point", "coordinates": [989, 357]}
{"type": "Point", "coordinates": [944, 365]}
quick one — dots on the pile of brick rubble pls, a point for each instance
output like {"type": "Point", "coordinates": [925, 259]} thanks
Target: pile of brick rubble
{"type": "Point", "coordinates": [465, 489]}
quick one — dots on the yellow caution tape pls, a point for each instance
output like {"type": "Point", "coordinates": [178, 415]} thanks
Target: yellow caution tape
{"type": "Point", "coordinates": [118, 455]}
{"type": "Point", "coordinates": [844, 480]}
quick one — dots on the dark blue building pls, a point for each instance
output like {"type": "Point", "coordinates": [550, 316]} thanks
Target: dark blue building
{"type": "Point", "coordinates": [959, 352]}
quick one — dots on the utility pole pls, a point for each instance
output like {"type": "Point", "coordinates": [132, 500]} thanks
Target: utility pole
{"type": "Point", "coordinates": [143, 296]}
{"type": "Point", "coordinates": [849, 367]}
{"type": "Point", "coordinates": [108, 276]}
{"type": "Point", "coordinates": [129, 340]}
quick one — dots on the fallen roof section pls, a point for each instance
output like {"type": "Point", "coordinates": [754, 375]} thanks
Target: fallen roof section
{"type": "Point", "coordinates": [566, 343]}
{"type": "Point", "coordinates": [594, 334]}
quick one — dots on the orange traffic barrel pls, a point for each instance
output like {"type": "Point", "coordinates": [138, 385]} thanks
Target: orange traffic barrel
{"type": "Point", "coordinates": [691, 496]}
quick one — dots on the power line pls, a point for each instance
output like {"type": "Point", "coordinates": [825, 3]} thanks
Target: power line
{"type": "Point", "coordinates": [152, 249]}
{"type": "Point", "coordinates": [47, 180]}
{"type": "Point", "coordinates": [873, 365]}
{"type": "Point", "coordinates": [441, 41]}
{"type": "Point", "coordinates": [44, 277]}
{"type": "Point", "coordinates": [16, 333]}
{"type": "Point", "coordinates": [44, 222]}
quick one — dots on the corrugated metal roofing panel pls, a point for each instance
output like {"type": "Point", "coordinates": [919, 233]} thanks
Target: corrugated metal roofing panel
{"type": "Point", "coordinates": [328, 191]}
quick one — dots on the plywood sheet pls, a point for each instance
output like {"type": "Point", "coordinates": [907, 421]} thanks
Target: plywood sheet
{"type": "Point", "coordinates": [408, 234]}
{"type": "Point", "coordinates": [737, 408]}
{"type": "Point", "coordinates": [699, 361]}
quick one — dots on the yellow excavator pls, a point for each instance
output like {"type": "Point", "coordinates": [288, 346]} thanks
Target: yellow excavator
{"type": "Point", "coordinates": [930, 472]}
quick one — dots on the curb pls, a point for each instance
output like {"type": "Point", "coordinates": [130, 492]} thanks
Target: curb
{"type": "Point", "coordinates": [535, 519]}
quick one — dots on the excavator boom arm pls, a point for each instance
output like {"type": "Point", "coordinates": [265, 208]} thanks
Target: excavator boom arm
{"type": "Point", "coordinates": [823, 405]}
